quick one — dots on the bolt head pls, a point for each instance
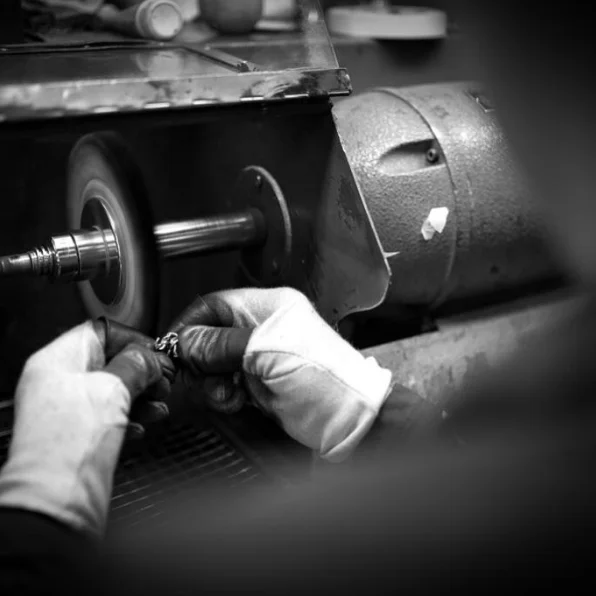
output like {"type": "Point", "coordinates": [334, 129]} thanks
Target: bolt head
{"type": "Point", "coordinates": [432, 155]}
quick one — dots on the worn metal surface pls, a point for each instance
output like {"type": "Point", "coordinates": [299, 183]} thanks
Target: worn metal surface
{"type": "Point", "coordinates": [337, 259]}
{"type": "Point", "coordinates": [436, 146]}
{"type": "Point", "coordinates": [55, 99]}
{"type": "Point", "coordinates": [436, 365]}
{"type": "Point", "coordinates": [85, 75]}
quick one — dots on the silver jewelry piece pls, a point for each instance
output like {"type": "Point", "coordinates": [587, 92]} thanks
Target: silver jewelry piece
{"type": "Point", "coordinates": [168, 345]}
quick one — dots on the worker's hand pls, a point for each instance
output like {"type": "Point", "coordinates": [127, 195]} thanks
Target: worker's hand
{"type": "Point", "coordinates": [152, 406]}
{"type": "Point", "coordinates": [71, 413]}
{"type": "Point", "coordinates": [293, 365]}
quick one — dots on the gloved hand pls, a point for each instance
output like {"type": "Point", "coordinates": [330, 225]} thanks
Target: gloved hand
{"type": "Point", "coordinates": [71, 412]}
{"type": "Point", "coordinates": [152, 407]}
{"type": "Point", "coordinates": [296, 368]}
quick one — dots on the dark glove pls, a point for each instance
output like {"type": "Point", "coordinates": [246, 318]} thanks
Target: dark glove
{"type": "Point", "coordinates": [151, 407]}
{"type": "Point", "coordinates": [296, 368]}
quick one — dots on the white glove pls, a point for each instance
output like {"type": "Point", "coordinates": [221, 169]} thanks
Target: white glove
{"type": "Point", "coordinates": [323, 392]}
{"type": "Point", "coordinates": [71, 414]}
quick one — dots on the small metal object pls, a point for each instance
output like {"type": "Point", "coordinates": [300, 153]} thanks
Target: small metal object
{"type": "Point", "coordinates": [432, 155]}
{"type": "Point", "coordinates": [168, 345]}
{"type": "Point", "coordinates": [233, 62]}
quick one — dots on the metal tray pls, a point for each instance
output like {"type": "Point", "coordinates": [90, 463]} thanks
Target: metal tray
{"type": "Point", "coordinates": [86, 73]}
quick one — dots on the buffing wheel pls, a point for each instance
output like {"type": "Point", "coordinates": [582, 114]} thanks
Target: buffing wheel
{"type": "Point", "coordinates": [106, 191]}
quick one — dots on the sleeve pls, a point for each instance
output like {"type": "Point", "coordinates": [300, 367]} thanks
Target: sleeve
{"type": "Point", "coordinates": [405, 418]}
{"type": "Point", "coordinates": [39, 555]}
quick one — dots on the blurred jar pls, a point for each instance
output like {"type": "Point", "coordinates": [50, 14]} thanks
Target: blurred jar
{"type": "Point", "coordinates": [231, 16]}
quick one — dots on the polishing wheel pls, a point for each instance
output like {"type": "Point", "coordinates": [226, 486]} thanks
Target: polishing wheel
{"type": "Point", "coordinates": [106, 192]}
{"type": "Point", "coordinates": [113, 248]}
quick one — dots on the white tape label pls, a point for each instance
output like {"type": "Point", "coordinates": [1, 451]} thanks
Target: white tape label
{"type": "Point", "coordinates": [435, 222]}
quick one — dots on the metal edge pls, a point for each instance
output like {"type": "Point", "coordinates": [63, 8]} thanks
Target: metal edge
{"type": "Point", "coordinates": [370, 221]}
{"type": "Point", "coordinates": [397, 92]}
{"type": "Point", "coordinates": [310, 8]}
{"type": "Point", "coordinates": [33, 101]}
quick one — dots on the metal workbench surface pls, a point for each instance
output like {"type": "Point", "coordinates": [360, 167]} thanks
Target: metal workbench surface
{"type": "Point", "coordinates": [89, 72]}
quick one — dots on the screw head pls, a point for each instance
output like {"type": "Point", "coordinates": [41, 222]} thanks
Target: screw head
{"type": "Point", "coordinates": [432, 155]}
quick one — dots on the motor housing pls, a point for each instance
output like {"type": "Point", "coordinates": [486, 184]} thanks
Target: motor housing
{"type": "Point", "coordinates": [439, 151]}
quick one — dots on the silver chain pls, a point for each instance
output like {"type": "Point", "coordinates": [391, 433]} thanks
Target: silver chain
{"type": "Point", "coordinates": [168, 345]}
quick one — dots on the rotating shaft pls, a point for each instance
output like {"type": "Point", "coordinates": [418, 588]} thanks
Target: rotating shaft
{"type": "Point", "coordinates": [87, 254]}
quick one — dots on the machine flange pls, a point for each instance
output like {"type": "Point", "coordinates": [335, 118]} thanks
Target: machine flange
{"type": "Point", "coordinates": [106, 192]}
{"type": "Point", "coordinates": [266, 264]}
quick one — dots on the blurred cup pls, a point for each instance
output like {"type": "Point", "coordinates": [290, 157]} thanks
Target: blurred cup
{"type": "Point", "coordinates": [231, 16]}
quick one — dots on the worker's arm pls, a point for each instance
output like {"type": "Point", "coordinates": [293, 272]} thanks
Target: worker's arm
{"type": "Point", "coordinates": [295, 368]}
{"type": "Point", "coordinates": [405, 418]}
{"type": "Point", "coordinates": [72, 409]}
{"type": "Point", "coordinates": [38, 551]}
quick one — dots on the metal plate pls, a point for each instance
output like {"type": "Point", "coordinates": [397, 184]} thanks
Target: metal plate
{"type": "Point", "coordinates": [103, 173]}
{"type": "Point", "coordinates": [265, 265]}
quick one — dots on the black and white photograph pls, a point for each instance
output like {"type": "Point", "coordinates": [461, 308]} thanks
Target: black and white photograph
{"type": "Point", "coordinates": [297, 297]}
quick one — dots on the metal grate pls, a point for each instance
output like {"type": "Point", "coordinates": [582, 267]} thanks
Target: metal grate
{"type": "Point", "coordinates": [169, 467]}
{"type": "Point", "coordinates": [172, 464]}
